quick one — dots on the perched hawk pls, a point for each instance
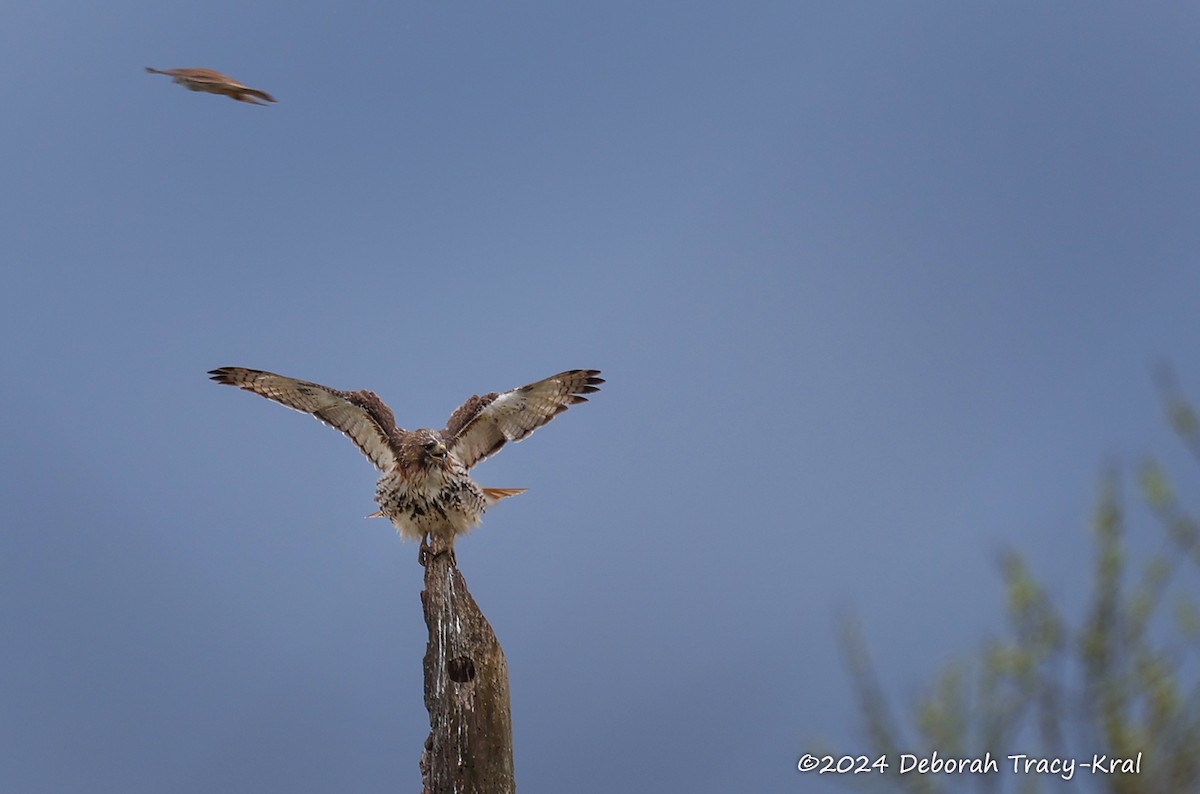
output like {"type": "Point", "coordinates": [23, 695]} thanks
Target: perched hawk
{"type": "Point", "coordinates": [214, 83]}
{"type": "Point", "coordinates": [425, 489]}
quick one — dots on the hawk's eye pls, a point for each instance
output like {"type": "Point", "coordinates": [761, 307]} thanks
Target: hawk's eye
{"type": "Point", "coordinates": [430, 445]}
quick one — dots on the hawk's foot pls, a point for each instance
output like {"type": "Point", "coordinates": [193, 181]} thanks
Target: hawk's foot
{"type": "Point", "coordinates": [429, 551]}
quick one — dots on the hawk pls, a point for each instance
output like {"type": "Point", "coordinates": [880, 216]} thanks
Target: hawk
{"type": "Point", "coordinates": [214, 83]}
{"type": "Point", "coordinates": [425, 489]}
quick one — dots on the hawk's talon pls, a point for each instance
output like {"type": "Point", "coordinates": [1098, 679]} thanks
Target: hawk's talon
{"type": "Point", "coordinates": [428, 552]}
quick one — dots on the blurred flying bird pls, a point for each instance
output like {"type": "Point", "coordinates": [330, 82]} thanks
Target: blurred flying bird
{"type": "Point", "coordinates": [214, 83]}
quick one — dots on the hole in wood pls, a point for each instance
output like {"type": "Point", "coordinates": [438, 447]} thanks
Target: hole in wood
{"type": "Point", "coordinates": [461, 669]}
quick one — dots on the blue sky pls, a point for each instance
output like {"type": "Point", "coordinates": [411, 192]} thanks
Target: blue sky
{"type": "Point", "coordinates": [877, 289]}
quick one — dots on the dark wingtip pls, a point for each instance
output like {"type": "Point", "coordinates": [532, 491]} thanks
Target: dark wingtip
{"type": "Point", "coordinates": [220, 375]}
{"type": "Point", "coordinates": [591, 383]}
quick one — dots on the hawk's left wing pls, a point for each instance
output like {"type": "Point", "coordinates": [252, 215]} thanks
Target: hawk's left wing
{"type": "Point", "coordinates": [482, 425]}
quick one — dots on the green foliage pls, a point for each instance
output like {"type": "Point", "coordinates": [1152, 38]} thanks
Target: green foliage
{"type": "Point", "coordinates": [1122, 681]}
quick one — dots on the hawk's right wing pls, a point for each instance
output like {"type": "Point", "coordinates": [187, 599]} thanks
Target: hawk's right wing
{"type": "Point", "coordinates": [361, 415]}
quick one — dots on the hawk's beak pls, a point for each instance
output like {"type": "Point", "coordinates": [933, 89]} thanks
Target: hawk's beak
{"type": "Point", "coordinates": [439, 451]}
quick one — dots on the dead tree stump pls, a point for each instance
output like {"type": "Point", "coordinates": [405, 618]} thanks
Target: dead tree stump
{"type": "Point", "coordinates": [469, 749]}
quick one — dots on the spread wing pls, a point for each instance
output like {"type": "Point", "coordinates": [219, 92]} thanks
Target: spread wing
{"type": "Point", "coordinates": [482, 425]}
{"type": "Point", "coordinates": [257, 93]}
{"type": "Point", "coordinates": [198, 75]}
{"type": "Point", "coordinates": [361, 415]}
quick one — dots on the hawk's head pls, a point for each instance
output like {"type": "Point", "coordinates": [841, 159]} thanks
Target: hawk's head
{"type": "Point", "coordinates": [436, 450]}
{"type": "Point", "coordinates": [424, 449]}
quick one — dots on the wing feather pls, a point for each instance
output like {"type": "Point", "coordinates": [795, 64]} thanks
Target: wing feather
{"type": "Point", "coordinates": [482, 425]}
{"type": "Point", "coordinates": [361, 415]}
{"type": "Point", "coordinates": [259, 94]}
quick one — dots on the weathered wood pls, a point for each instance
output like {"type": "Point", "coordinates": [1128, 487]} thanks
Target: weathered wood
{"type": "Point", "coordinates": [469, 749]}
